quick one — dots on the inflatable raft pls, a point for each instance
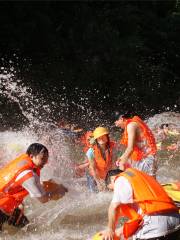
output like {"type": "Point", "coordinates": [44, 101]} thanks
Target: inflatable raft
{"type": "Point", "coordinates": [173, 190]}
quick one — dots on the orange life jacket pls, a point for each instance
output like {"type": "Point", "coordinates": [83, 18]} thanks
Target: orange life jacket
{"type": "Point", "coordinates": [11, 191]}
{"type": "Point", "coordinates": [147, 136]}
{"type": "Point", "coordinates": [150, 197]}
{"type": "Point", "coordinates": [102, 165]}
{"type": "Point", "coordinates": [85, 140]}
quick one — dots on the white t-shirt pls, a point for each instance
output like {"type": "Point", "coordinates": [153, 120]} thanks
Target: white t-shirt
{"type": "Point", "coordinates": [154, 225]}
{"type": "Point", "coordinates": [32, 185]}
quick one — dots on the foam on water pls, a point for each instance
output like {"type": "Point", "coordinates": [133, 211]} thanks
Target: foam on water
{"type": "Point", "coordinates": [172, 118]}
{"type": "Point", "coordinates": [79, 214]}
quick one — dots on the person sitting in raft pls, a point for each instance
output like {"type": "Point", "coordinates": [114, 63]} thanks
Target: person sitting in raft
{"type": "Point", "coordinates": [137, 196]}
{"type": "Point", "coordinates": [100, 156]}
{"type": "Point", "coordinates": [167, 138]}
{"type": "Point", "coordinates": [163, 131]}
{"type": "Point", "coordinates": [140, 145]}
{"type": "Point", "coordinates": [21, 177]}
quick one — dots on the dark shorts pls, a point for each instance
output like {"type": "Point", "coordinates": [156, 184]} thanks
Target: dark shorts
{"type": "Point", "coordinates": [17, 219]}
{"type": "Point", "coordinates": [171, 236]}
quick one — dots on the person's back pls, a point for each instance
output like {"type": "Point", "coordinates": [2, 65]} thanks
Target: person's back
{"type": "Point", "coordinates": [140, 145]}
{"type": "Point", "coordinates": [151, 213]}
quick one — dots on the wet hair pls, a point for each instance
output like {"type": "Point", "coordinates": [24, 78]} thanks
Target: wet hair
{"type": "Point", "coordinates": [164, 125]}
{"type": "Point", "coordinates": [107, 144]}
{"type": "Point", "coordinates": [36, 148]}
{"type": "Point", "coordinates": [125, 116]}
{"type": "Point", "coordinates": [111, 173]}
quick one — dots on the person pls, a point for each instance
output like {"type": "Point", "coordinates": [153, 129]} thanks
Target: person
{"type": "Point", "coordinates": [137, 196]}
{"type": "Point", "coordinates": [167, 138]}
{"type": "Point", "coordinates": [19, 178]}
{"type": "Point", "coordinates": [86, 141]}
{"type": "Point", "coordinates": [100, 156]}
{"type": "Point", "coordinates": [163, 131]}
{"type": "Point", "coordinates": [69, 130]}
{"type": "Point", "coordinates": [140, 145]}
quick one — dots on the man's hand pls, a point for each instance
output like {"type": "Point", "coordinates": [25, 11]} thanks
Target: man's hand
{"type": "Point", "coordinates": [107, 234]}
{"type": "Point", "coordinates": [121, 164]}
{"type": "Point", "coordinates": [119, 232]}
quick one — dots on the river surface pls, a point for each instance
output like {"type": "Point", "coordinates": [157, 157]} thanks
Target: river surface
{"type": "Point", "coordinates": [80, 214]}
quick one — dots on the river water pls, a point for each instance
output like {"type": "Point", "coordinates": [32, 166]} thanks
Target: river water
{"type": "Point", "coordinates": [80, 214]}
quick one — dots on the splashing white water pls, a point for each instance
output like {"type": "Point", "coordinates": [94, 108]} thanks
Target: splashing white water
{"type": "Point", "coordinates": [32, 106]}
{"type": "Point", "coordinates": [79, 214]}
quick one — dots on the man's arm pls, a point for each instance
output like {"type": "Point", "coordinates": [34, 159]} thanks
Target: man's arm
{"type": "Point", "coordinates": [36, 190]}
{"type": "Point", "coordinates": [112, 220]}
{"type": "Point", "coordinates": [122, 195]}
{"type": "Point", "coordinates": [131, 131]}
{"type": "Point", "coordinates": [112, 216]}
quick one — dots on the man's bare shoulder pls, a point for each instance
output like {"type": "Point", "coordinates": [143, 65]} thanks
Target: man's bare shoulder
{"type": "Point", "coordinates": [132, 125]}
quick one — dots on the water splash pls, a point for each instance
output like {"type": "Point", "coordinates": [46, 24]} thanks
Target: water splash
{"type": "Point", "coordinates": [80, 214]}
{"type": "Point", "coordinates": [33, 107]}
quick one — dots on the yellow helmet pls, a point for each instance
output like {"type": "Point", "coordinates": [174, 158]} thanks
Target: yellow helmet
{"type": "Point", "coordinates": [100, 131]}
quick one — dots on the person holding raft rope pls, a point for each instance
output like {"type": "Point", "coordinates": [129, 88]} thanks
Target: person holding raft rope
{"type": "Point", "coordinates": [140, 145]}
{"type": "Point", "coordinates": [21, 177]}
{"type": "Point", "coordinates": [138, 197]}
{"type": "Point", "coordinates": [101, 156]}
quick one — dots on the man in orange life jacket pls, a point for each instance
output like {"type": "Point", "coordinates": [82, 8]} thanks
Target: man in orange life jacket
{"type": "Point", "coordinates": [140, 146]}
{"type": "Point", "coordinates": [19, 178]}
{"type": "Point", "coordinates": [150, 211]}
